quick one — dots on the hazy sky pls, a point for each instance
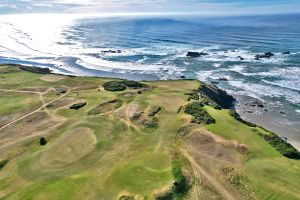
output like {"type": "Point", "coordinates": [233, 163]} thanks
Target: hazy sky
{"type": "Point", "coordinates": [154, 6]}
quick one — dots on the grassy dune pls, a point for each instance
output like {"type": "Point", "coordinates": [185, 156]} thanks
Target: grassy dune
{"type": "Point", "coordinates": [112, 148]}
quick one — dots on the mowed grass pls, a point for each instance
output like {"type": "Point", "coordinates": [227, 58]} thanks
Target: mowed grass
{"type": "Point", "coordinates": [101, 157]}
{"type": "Point", "coordinates": [12, 102]}
{"type": "Point", "coordinates": [271, 175]}
{"type": "Point", "coordinates": [108, 160]}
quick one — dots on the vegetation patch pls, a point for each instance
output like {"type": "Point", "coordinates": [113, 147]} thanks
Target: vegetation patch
{"type": "Point", "coordinates": [239, 181]}
{"type": "Point", "coordinates": [181, 183]}
{"type": "Point", "coordinates": [106, 107]}
{"type": "Point", "coordinates": [133, 84]}
{"type": "Point", "coordinates": [3, 163]}
{"type": "Point", "coordinates": [114, 86]}
{"type": "Point", "coordinates": [275, 141]}
{"type": "Point", "coordinates": [286, 149]}
{"type": "Point", "coordinates": [43, 141]}
{"type": "Point", "coordinates": [126, 197]}
{"type": "Point", "coordinates": [200, 116]}
{"type": "Point", "coordinates": [154, 110]}
{"type": "Point", "coordinates": [193, 95]}
{"type": "Point", "coordinates": [236, 116]}
{"type": "Point", "coordinates": [36, 69]}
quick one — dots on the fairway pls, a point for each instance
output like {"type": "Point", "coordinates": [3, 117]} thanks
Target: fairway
{"type": "Point", "coordinates": [136, 143]}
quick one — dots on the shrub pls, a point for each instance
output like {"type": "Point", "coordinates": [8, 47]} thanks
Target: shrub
{"type": "Point", "coordinates": [200, 116]}
{"type": "Point", "coordinates": [235, 115]}
{"type": "Point", "coordinates": [192, 95]}
{"type": "Point", "coordinates": [43, 141]}
{"type": "Point", "coordinates": [132, 84]}
{"type": "Point", "coordinates": [286, 149]}
{"type": "Point", "coordinates": [154, 110]}
{"type": "Point", "coordinates": [3, 163]}
{"type": "Point", "coordinates": [114, 86]}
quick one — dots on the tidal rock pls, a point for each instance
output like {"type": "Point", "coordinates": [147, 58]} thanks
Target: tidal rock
{"type": "Point", "coordinates": [111, 51]}
{"type": "Point", "coordinates": [286, 53]}
{"type": "Point", "coordinates": [222, 79]}
{"type": "Point", "coordinates": [196, 54]}
{"type": "Point", "coordinates": [266, 55]}
{"type": "Point", "coordinates": [215, 82]}
{"type": "Point", "coordinates": [241, 58]}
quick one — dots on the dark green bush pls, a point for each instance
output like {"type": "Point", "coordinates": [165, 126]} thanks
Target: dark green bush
{"type": "Point", "coordinates": [235, 115]}
{"type": "Point", "coordinates": [43, 141]}
{"type": "Point", "coordinates": [3, 163]}
{"type": "Point", "coordinates": [114, 86]}
{"type": "Point", "coordinates": [286, 149]}
{"type": "Point", "coordinates": [192, 95]}
{"type": "Point", "coordinates": [200, 116]}
{"type": "Point", "coordinates": [132, 84]}
{"type": "Point", "coordinates": [154, 110]}
{"type": "Point", "coordinates": [181, 184]}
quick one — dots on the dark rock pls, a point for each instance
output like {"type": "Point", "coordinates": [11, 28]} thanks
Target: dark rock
{"type": "Point", "coordinates": [286, 53]}
{"type": "Point", "coordinates": [241, 58]}
{"type": "Point", "coordinates": [215, 82]}
{"type": "Point", "coordinates": [222, 79]}
{"type": "Point", "coordinates": [281, 112]}
{"type": "Point", "coordinates": [266, 55]}
{"type": "Point", "coordinates": [217, 95]}
{"type": "Point", "coordinates": [77, 106]}
{"type": "Point", "coordinates": [269, 54]}
{"type": "Point", "coordinates": [260, 105]}
{"type": "Point", "coordinates": [248, 111]}
{"type": "Point", "coordinates": [111, 51]}
{"type": "Point", "coordinates": [196, 54]}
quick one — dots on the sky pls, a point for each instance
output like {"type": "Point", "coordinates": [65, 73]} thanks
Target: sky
{"type": "Point", "coordinates": [201, 7]}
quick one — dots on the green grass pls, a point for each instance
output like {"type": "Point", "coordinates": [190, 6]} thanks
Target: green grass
{"type": "Point", "coordinates": [271, 175]}
{"type": "Point", "coordinates": [12, 102]}
{"type": "Point", "coordinates": [115, 158]}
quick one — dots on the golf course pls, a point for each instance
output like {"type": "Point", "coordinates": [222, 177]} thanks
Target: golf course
{"type": "Point", "coordinates": [89, 138]}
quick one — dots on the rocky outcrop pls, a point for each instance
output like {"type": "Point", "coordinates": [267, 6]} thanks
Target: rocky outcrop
{"type": "Point", "coordinates": [196, 54]}
{"type": "Point", "coordinates": [241, 58]}
{"type": "Point", "coordinates": [265, 55]}
{"type": "Point", "coordinates": [111, 51]}
{"type": "Point", "coordinates": [217, 95]}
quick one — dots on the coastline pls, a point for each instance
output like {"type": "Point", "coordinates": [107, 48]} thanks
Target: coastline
{"type": "Point", "coordinates": [267, 120]}
{"type": "Point", "coordinates": [270, 119]}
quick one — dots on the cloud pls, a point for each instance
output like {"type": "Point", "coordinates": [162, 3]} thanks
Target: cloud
{"type": "Point", "coordinates": [143, 6]}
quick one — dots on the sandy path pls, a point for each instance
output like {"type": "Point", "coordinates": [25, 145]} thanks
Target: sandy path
{"type": "Point", "coordinates": [20, 91]}
{"type": "Point", "coordinates": [37, 110]}
{"type": "Point", "coordinates": [203, 173]}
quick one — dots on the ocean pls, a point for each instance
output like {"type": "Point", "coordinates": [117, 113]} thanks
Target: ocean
{"type": "Point", "coordinates": [153, 48]}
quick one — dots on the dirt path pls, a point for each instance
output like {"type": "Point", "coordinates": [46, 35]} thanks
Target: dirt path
{"type": "Point", "coordinates": [203, 173]}
{"type": "Point", "coordinates": [37, 110]}
{"type": "Point", "coordinates": [20, 91]}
